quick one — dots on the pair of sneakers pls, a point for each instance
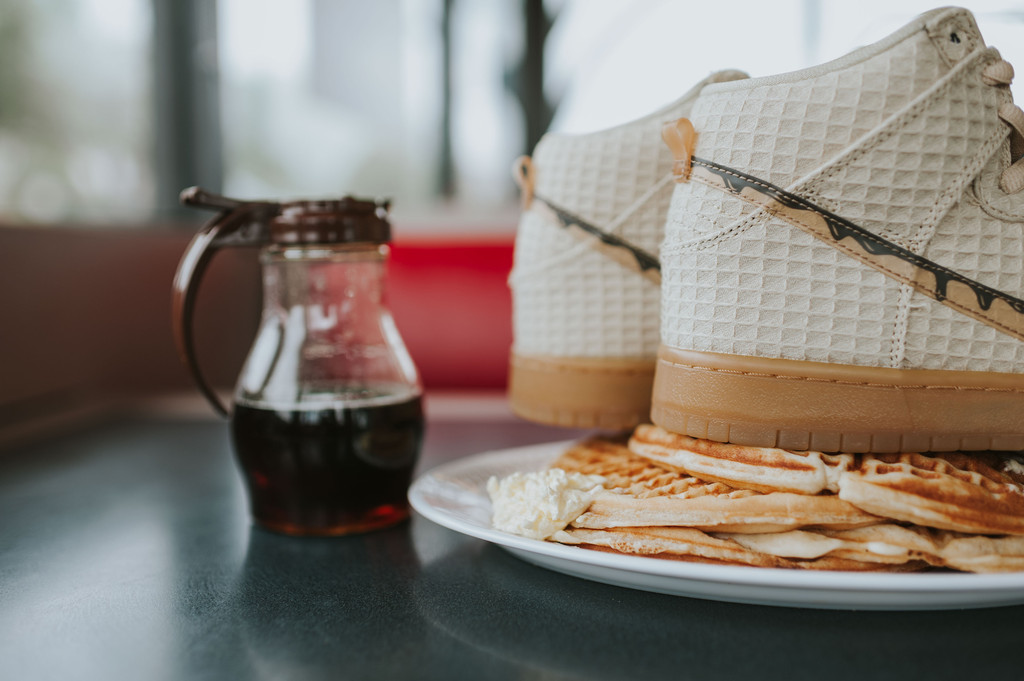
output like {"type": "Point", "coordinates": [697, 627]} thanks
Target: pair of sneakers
{"type": "Point", "coordinates": [829, 259]}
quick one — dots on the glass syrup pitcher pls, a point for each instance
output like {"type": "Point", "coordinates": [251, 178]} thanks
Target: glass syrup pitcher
{"type": "Point", "coordinates": [326, 420]}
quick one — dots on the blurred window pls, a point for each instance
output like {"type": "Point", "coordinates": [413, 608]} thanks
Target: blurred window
{"type": "Point", "coordinates": [74, 111]}
{"type": "Point", "coordinates": [611, 61]}
{"type": "Point", "coordinates": [109, 107]}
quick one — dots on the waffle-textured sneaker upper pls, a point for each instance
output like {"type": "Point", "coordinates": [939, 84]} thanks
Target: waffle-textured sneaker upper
{"type": "Point", "coordinates": [570, 297]}
{"type": "Point", "coordinates": [866, 211]}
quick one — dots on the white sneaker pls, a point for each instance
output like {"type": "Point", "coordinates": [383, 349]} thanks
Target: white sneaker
{"type": "Point", "coordinates": [844, 268]}
{"type": "Point", "coordinates": [585, 283]}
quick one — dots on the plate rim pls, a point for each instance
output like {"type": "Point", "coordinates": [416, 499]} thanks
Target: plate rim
{"type": "Point", "coordinates": [806, 581]}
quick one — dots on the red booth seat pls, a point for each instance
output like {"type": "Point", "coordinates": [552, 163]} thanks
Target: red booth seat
{"type": "Point", "coordinates": [452, 305]}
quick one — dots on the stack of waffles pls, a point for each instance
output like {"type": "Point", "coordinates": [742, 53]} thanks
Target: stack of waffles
{"type": "Point", "coordinates": [672, 496]}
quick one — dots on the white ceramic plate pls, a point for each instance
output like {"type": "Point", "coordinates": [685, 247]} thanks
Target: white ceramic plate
{"type": "Point", "coordinates": [454, 495]}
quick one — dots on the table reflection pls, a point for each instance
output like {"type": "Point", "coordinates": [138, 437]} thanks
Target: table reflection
{"type": "Point", "coordinates": [497, 603]}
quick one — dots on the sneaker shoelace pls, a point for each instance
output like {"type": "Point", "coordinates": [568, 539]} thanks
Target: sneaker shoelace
{"type": "Point", "coordinates": [1000, 74]}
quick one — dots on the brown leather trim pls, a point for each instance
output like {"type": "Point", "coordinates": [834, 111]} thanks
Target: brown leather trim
{"type": "Point", "coordinates": [847, 374]}
{"type": "Point", "coordinates": [581, 392]}
{"type": "Point", "coordinates": [770, 402]}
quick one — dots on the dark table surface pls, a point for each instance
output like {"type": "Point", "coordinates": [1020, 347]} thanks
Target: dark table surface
{"type": "Point", "coordinates": [126, 553]}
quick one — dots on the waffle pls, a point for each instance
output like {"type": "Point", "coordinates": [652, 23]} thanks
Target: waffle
{"type": "Point", "coordinates": [979, 493]}
{"type": "Point", "coordinates": [891, 512]}
{"type": "Point", "coordinates": [644, 494]}
{"type": "Point", "coordinates": [628, 473]}
{"type": "Point", "coordinates": [892, 544]}
{"type": "Point", "coordinates": [694, 545]}
{"type": "Point", "coordinates": [883, 546]}
{"type": "Point", "coordinates": [755, 468]}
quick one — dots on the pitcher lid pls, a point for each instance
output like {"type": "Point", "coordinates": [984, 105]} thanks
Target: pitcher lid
{"type": "Point", "coordinates": [342, 221]}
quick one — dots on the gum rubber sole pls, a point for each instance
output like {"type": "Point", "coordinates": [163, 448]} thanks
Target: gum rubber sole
{"type": "Point", "coordinates": [800, 405]}
{"type": "Point", "coordinates": [612, 394]}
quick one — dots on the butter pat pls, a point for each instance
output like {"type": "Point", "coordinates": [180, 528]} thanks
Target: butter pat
{"type": "Point", "coordinates": [1013, 466]}
{"type": "Point", "coordinates": [538, 504]}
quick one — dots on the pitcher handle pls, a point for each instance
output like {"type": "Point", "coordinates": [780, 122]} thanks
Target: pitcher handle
{"type": "Point", "coordinates": [238, 223]}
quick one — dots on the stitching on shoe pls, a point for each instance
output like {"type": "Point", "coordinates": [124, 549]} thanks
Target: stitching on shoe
{"type": "Point", "coordinates": [898, 342]}
{"type": "Point", "coordinates": [639, 260]}
{"type": "Point", "coordinates": [812, 187]}
{"type": "Point", "coordinates": [554, 367]}
{"type": "Point", "coordinates": [805, 205]}
{"type": "Point", "coordinates": [893, 274]}
{"type": "Point", "coordinates": [912, 258]}
{"type": "Point", "coordinates": [914, 111]}
{"type": "Point", "coordinates": [972, 169]}
{"type": "Point", "coordinates": [961, 71]}
{"type": "Point", "coordinates": [741, 227]}
{"type": "Point", "coordinates": [940, 33]}
{"type": "Point", "coordinates": [900, 121]}
{"type": "Point", "coordinates": [836, 381]}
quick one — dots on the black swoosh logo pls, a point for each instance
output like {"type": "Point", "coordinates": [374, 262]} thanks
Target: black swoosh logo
{"type": "Point", "coordinates": [645, 262]}
{"type": "Point", "coordinates": [840, 228]}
